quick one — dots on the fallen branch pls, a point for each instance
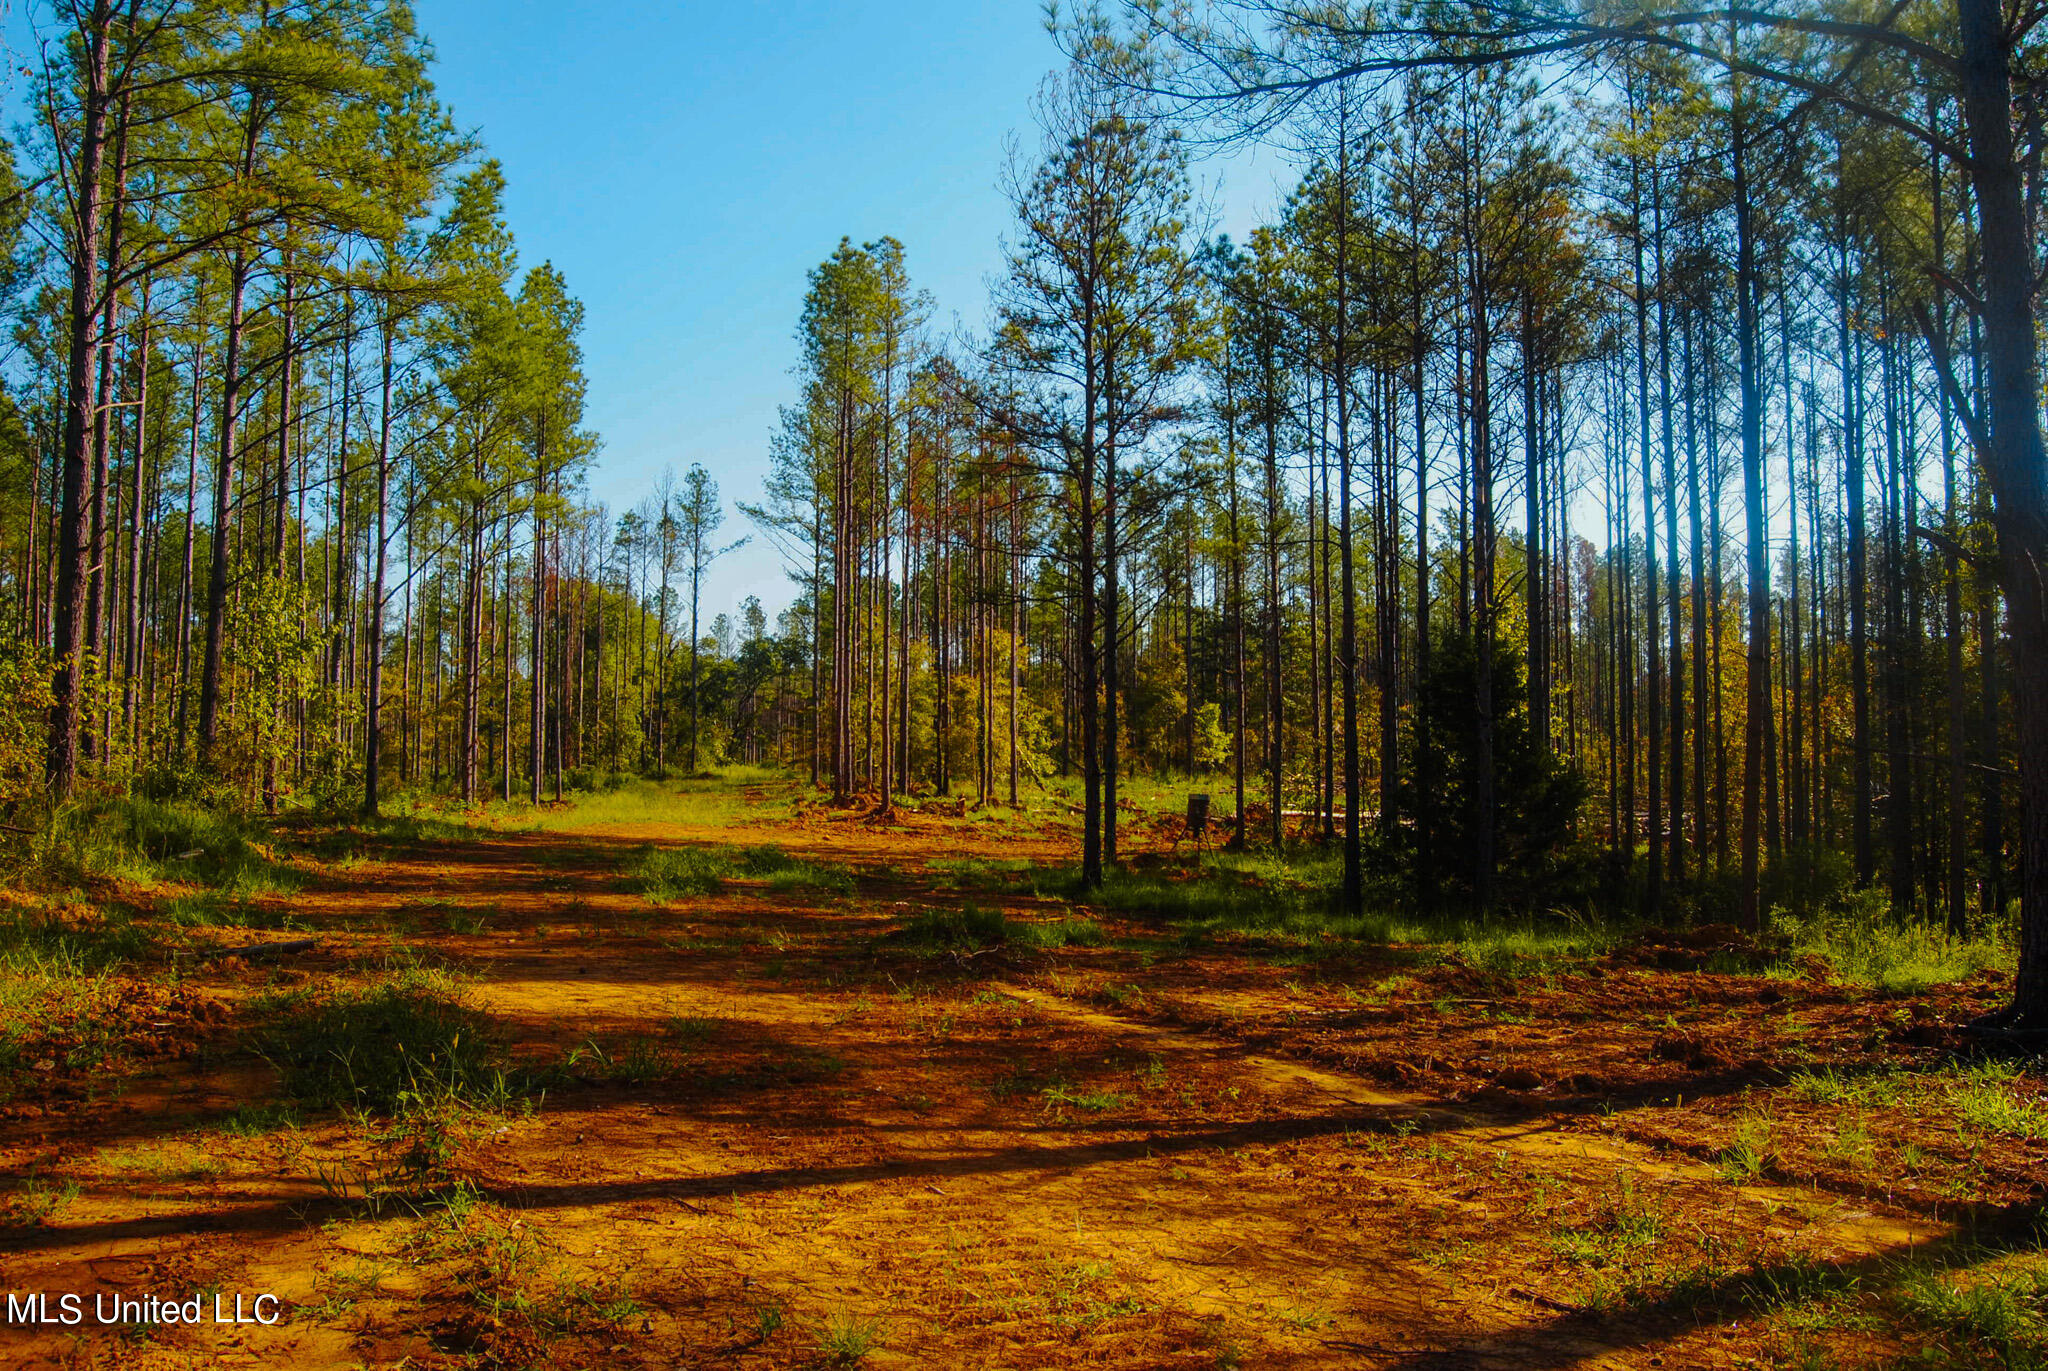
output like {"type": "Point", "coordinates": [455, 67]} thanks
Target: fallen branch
{"type": "Point", "coordinates": [1544, 1300]}
{"type": "Point", "coordinates": [255, 950]}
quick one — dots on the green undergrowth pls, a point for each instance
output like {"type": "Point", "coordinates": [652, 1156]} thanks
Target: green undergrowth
{"type": "Point", "coordinates": [147, 843]}
{"type": "Point", "coordinates": [718, 798]}
{"type": "Point", "coordinates": [215, 909]}
{"type": "Point", "coordinates": [592, 799]}
{"type": "Point", "coordinates": [1288, 904]}
{"type": "Point", "coordinates": [985, 873]}
{"type": "Point", "coordinates": [412, 1039]}
{"type": "Point", "coordinates": [413, 825]}
{"type": "Point", "coordinates": [1862, 941]}
{"type": "Point", "coordinates": [1285, 904]}
{"type": "Point", "coordinates": [663, 874]}
{"type": "Point", "coordinates": [1975, 1301]}
{"type": "Point", "coordinates": [36, 1201]}
{"type": "Point", "coordinates": [971, 928]}
{"type": "Point", "coordinates": [1986, 1098]}
{"type": "Point", "coordinates": [70, 939]}
{"type": "Point", "coordinates": [1973, 1306]}
{"type": "Point", "coordinates": [58, 996]}
{"type": "Point", "coordinates": [1999, 1314]}
{"type": "Point", "coordinates": [66, 1019]}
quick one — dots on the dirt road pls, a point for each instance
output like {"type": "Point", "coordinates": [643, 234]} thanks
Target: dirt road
{"type": "Point", "coordinates": [779, 1136]}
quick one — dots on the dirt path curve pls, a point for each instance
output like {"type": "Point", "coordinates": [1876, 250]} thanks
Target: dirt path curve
{"type": "Point", "coordinates": [904, 1179]}
{"type": "Point", "coordinates": [777, 1126]}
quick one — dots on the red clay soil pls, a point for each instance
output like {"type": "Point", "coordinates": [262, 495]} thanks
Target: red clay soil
{"type": "Point", "coordinates": [775, 1135]}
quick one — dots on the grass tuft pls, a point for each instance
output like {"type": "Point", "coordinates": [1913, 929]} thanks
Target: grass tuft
{"type": "Point", "coordinates": [410, 1041]}
{"type": "Point", "coordinates": [847, 1339]}
{"type": "Point", "coordinates": [1753, 1152]}
{"type": "Point", "coordinates": [38, 1202]}
{"type": "Point", "coordinates": [663, 874]}
{"type": "Point", "coordinates": [969, 928]}
{"type": "Point", "coordinates": [1987, 1100]}
{"type": "Point", "coordinates": [2000, 1317]}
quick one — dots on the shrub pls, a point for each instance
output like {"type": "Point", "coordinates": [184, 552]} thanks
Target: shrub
{"type": "Point", "coordinates": [1536, 796]}
{"type": "Point", "coordinates": [24, 723]}
{"type": "Point", "coordinates": [410, 1041]}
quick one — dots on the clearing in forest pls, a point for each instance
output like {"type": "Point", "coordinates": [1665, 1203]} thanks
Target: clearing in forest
{"type": "Point", "coordinates": [705, 1074]}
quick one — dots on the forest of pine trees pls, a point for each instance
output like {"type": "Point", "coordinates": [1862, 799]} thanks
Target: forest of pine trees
{"type": "Point", "coordinates": [294, 466]}
{"type": "Point", "coordinates": [1542, 482]}
{"type": "Point", "coordinates": [1616, 485]}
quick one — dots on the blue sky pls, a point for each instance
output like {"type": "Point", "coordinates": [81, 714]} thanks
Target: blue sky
{"type": "Point", "coordinates": [685, 164]}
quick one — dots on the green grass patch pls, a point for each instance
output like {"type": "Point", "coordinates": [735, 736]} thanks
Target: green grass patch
{"type": "Point", "coordinates": [719, 800]}
{"type": "Point", "coordinates": [410, 1041]}
{"type": "Point", "coordinates": [1862, 940]}
{"type": "Point", "coordinates": [663, 874]}
{"type": "Point", "coordinates": [847, 1339]}
{"type": "Point", "coordinates": [414, 823]}
{"type": "Point", "coordinates": [2001, 1315]}
{"type": "Point", "coordinates": [1288, 901]}
{"type": "Point", "coordinates": [639, 1060]}
{"type": "Point", "coordinates": [145, 842]}
{"type": "Point", "coordinates": [217, 909]}
{"type": "Point", "coordinates": [1829, 1087]}
{"type": "Point", "coordinates": [967, 929]}
{"type": "Point", "coordinates": [1987, 1100]}
{"type": "Point", "coordinates": [36, 1202]}
{"type": "Point", "coordinates": [69, 1020]}
{"type": "Point", "coordinates": [73, 941]}
{"type": "Point", "coordinates": [259, 1120]}
{"type": "Point", "coordinates": [1064, 933]}
{"type": "Point", "coordinates": [1753, 1152]}
{"type": "Point", "coordinates": [1009, 875]}
{"type": "Point", "coordinates": [1078, 1097]}
{"type": "Point", "coordinates": [816, 877]}
{"type": "Point", "coordinates": [1615, 1240]}
{"type": "Point", "coordinates": [1288, 904]}
{"type": "Point", "coordinates": [971, 929]}
{"type": "Point", "coordinates": [784, 872]}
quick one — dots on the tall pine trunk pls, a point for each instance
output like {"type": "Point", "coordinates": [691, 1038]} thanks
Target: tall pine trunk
{"type": "Point", "coordinates": [223, 508]}
{"type": "Point", "coordinates": [2016, 462]}
{"type": "Point", "coordinates": [373, 600]}
{"type": "Point", "coordinates": [1758, 674]}
{"type": "Point", "coordinates": [68, 597]}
